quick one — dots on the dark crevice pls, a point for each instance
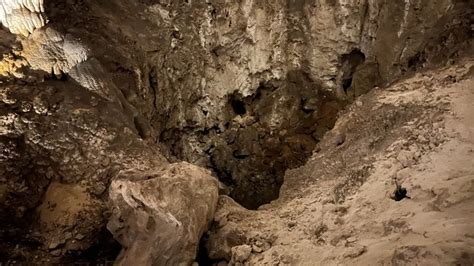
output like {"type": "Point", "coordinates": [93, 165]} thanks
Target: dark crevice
{"type": "Point", "coordinates": [103, 252]}
{"type": "Point", "coordinates": [152, 80]}
{"type": "Point", "coordinates": [350, 62]}
{"type": "Point", "coordinates": [274, 129]}
{"type": "Point", "coordinates": [238, 106]}
{"type": "Point", "coordinates": [346, 83]}
{"type": "Point", "coordinates": [202, 257]}
{"type": "Point", "coordinates": [141, 126]}
{"type": "Point", "coordinates": [416, 62]}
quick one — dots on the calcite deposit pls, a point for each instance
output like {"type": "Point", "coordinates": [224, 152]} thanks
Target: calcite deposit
{"type": "Point", "coordinates": [22, 16]}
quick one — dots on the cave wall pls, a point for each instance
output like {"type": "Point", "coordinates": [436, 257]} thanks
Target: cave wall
{"type": "Point", "coordinates": [200, 54]}
{"type": "Point", "coordinates": [246, 88]}
{"type": "Point", "coordinates": [207, 50]}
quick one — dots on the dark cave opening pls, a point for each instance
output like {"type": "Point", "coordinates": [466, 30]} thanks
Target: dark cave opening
{"type": "Point", "coordinates": [349, 63]}
{"type": "Point", "coordinates": [238, 106]}
{"type": "Point", "coordinates": [103, 252]}
{"type": "Point", "coordinates": [202, 256]}
{"type": "Point", "coordinates": [346, 84]}
{"type": "Point", "coordinates": [274, 129]}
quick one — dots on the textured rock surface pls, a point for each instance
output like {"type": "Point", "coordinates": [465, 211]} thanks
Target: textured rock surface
{"type": "Point", "coordinates": [22, 16]}
{"type": "Point", "coordinates": [160, 219]}
{"type": "Point", "coordinates": [245, 88]}
{"type": "Point", "coordinates": [337, 210]}
{"type": "Point", "coordinates": [198, 76]}
{"type": "Point", "coordinates": [66, 206]}
{"type": "Point", "coordinates": [57, 135]}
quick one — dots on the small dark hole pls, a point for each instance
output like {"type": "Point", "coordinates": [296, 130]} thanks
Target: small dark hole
{"type": "Point", "coordinates": [202, 255]}
{"type": "Point", "coordinates": [141, 127]}
{"type": "Point", "coordinates": [103, 252]}
{"type": "Point", "coordinates": [175, 34]}
{"type": "Point", "coordinates": [400, 193]}
{"type": "Point", "coordinates": [346, 84]}
{"type": "Point", "coordinates": [240, 154]}
{"type": "Point", "coordinates": [238, 106]}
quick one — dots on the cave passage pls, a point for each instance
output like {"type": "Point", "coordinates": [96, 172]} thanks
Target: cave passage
{"type": "Point", "coordinates": [350, 62]}
{"type": "Point", "coordinates": [268, 132]}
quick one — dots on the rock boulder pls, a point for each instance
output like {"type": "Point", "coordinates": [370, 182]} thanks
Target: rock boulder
{"type": "Point", "coordinates": [160, 217]}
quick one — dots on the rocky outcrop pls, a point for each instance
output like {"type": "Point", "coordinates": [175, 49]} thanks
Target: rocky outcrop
{"type": "Point", "coordinates": [218, 53]}
{"type": "Point", "coordinates": [69, 217]}
{"type": "Point", "coordinates": [60, 140]}
{"type": "Point", "coordinates": [22, 16]}
{"type": "Point", "coordinates": [184, 68]}
{"type": "Point", "coordinates": [53, 52]}
{"type": "Point", "coordinates": [245, 88]}
{"type": "Point", "coordinates": [338, 208]}
{"type": "Point", "coordinates": [160, 218]}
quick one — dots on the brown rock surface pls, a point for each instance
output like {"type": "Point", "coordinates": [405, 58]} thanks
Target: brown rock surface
{"type": "Point", "coordinates": [160, 218]}
{"type": "Point", "coordinates": [336, 209]}
{"type": "Point", "coordinates": [94, 93]}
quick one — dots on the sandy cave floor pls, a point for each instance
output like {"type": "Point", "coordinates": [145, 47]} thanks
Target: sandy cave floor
{"type": "Point", "coordinates": [337, 208]}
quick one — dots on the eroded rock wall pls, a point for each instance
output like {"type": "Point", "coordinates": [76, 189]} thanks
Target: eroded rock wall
{"type": "Point", "coordinates": [22, 16]}
{"type": "Point", "coordinates": [61, 146]}
{"type": "Point", "coordinates": [246, 88]}
{"type": "Point", "coordinates": [208, 53]}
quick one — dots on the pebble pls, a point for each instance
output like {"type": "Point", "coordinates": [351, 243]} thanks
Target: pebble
{"type": "Point", "coordinates": [55, 252]}
{"type": "Point", "coordinates": [421, 138]}
{"type": "Point", "coordinates": [257, 249]}
{"type": "Point", "coordinates": [68, 235]}
{"type": "Point", "coordinates": [355, 252]}
{"type": "Point", "coordinates": [406, 158]}
{"type": "Point", "coordinates": [351, 239]}
{"type": "Point", "coordinates": [387, 164]}
{"type": "Point", "coordinates": [241, 253]}
{"type": "Point", "coordinates": [285, 259]}
{"type": "Point", "coordinates": [55, 244]}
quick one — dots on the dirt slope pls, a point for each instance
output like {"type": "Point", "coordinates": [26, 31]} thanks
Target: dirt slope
{"type": "Point", "coordinates": [337, 208]}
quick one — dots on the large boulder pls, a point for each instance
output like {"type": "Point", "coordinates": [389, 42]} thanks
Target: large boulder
{"type": "Point", "coordinates": [69, 218]}
{"type": "Point", "coordinates": [158, 217]}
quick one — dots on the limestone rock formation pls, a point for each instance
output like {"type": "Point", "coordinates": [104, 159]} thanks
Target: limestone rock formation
{"type": "Point", "coordinates": [159, 218]}
{"type": "Point", "coordinates": [22, 16]}
{"type": "Point", "coordinates": [94, 94]}
{"type": "Point", "coordinates": [53, 52]}
{"type": "Point", "coordinates": [64, 139]}
{"type": "Point", "coordinates": [337, 208]}
{"type": "Point", "coordinates": [69, 216]}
